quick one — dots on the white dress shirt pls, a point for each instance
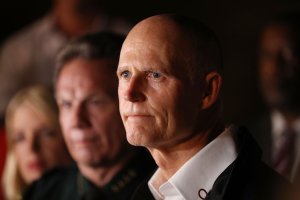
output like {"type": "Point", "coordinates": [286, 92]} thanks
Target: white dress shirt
{"type": "Point", "coordinates": [197, 176]}
{"type": "Point", "coordinates": [278, 126]}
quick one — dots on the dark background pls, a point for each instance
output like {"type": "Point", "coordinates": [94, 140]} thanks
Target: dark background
{"type": "Point", "coordinates": [237, 24]}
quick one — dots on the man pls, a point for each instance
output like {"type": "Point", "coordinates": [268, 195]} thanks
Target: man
{"type": "Point", "coordinates": [86, 92]}
{"type": "Point", "coordinates": [169, 96]}
{"type": "Point", "coordinates": [278, 129]}
{"type": "Point", "coordinates": [27, 57]}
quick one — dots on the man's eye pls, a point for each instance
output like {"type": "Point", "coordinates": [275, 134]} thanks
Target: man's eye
{"type": "Point", "coordinates": [125, 74]}
{"type": "Point", "coordinates": [155, 76]}
{"type": "Point", "coordinates": [65, 104]}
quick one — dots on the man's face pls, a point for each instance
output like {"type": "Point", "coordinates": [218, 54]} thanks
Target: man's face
{"type": "Point", "coordinates": [158, 103]}
{"type": "Point", "coordinates": [86, 92]}
{"type": "Point", "coordinates": [279, 67]}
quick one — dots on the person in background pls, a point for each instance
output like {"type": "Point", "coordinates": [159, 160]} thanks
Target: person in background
{"type": "Point", "coordinates": [2, 157]}
{"type": "Point", "coordinates": [86, 92]}
{"type": "Point", "coordinates": [34, 139]}
{"type": "Point", "coordinates": [169, 94]}
{"type": "Point", "coordinates": [278, 128]}
{"type": "Point", "coordinates": [27, 57]}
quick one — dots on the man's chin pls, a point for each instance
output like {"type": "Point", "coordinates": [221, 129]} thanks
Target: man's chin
{"type": "Point", "coordinates": [134, 140]}
{"type": "Point", "coordinates": [138, 141]}
{"type": "Point", "coordinates": [84, 157]}
{"type": "Point", "coordinates": [92, 163]}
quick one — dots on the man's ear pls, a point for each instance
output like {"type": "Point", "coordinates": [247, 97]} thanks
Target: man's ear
{"type": "Point", "coordinates": [211, 90]}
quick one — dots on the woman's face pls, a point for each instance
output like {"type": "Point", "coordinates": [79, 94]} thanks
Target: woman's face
{"type": "Point", "coordinates": [37, 144]}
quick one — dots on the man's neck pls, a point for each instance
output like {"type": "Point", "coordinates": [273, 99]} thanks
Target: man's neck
{"type": "Point", "coordinates": [290, 117]}
{"type": "Point", "coordinates": [170, 160]}
{"type": "Point", "coordinates": [100, 176]}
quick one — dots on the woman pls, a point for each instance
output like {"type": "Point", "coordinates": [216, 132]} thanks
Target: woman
{"type": "Point", "coordinates": [34, 139]}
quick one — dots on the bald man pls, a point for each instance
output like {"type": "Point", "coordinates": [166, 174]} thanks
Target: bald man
{"type": "Point", "coordinates": [169, 98]}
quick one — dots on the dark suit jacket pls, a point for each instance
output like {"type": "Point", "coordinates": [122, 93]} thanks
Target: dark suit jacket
{"type": "Point", "coordinates": [260, 127]}
{"type": "Point", "coordinates": [70, 184]}
{"type": "Point", "coordinates": [247, 178]}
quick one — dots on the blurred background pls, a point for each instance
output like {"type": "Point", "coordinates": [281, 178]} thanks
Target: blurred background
{"type": "Point", "coordinates": [237, 24]}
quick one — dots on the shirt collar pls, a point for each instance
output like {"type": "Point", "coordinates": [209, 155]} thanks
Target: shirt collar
{"type": "Point", "coordinates": [200, 172]}
{"type": "Point", "coordinates": [279, 124]}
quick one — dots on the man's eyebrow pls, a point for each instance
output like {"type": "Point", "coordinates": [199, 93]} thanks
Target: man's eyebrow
{"type": "Point", "coordinates": [121, 68]}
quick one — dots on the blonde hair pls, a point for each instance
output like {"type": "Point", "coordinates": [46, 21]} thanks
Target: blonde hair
{"type": "Point", "coordinates": [43, 100]}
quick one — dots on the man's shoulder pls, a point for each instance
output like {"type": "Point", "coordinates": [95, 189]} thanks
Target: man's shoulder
{"type": "Point", "coordinates": [139, 168]}
{"type": "Point", "coordinates": [248, 177]}
{"type": "Point", "coordinates": [265, 183]}
{"type": "Point", "coordinates": [26, 41]}
{"type": "Point", "coordinates": [142, 191]}
{"type": "Point", "coordinates": [269, 179]}
{"type": "Point", "coordinates": [54, 184]}
{"type": "Point", "coordinates": [31, 30]}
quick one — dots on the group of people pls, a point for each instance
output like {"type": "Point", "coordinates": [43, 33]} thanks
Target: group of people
{"type": "Point", "coordinates": [29, 55]}
{"type": "Point", "coordinates": [140, 117]}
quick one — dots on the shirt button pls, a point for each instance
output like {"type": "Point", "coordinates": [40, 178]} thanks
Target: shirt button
{"type": "Point", "coordinates": [202, 193]}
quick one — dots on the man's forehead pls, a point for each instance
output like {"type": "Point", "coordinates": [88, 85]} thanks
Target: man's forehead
{"type": "Point", "coordinates": [152, 45]}
{"type": "Point", "coordinates": [154, 29]}
{"type": "Point", "coordinates": [75, 94]}
{"type": "Point", "coordinates": [85, 87]}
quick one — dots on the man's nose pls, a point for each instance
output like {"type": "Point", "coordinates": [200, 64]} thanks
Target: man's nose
{"type": "Point", "coordinates": [80, 116]}
{"type": "Point", "coordinates": [134, 89]}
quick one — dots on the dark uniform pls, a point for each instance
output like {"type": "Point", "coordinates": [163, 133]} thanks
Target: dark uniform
{"type": "Point", "coordinates": [70, 184]}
